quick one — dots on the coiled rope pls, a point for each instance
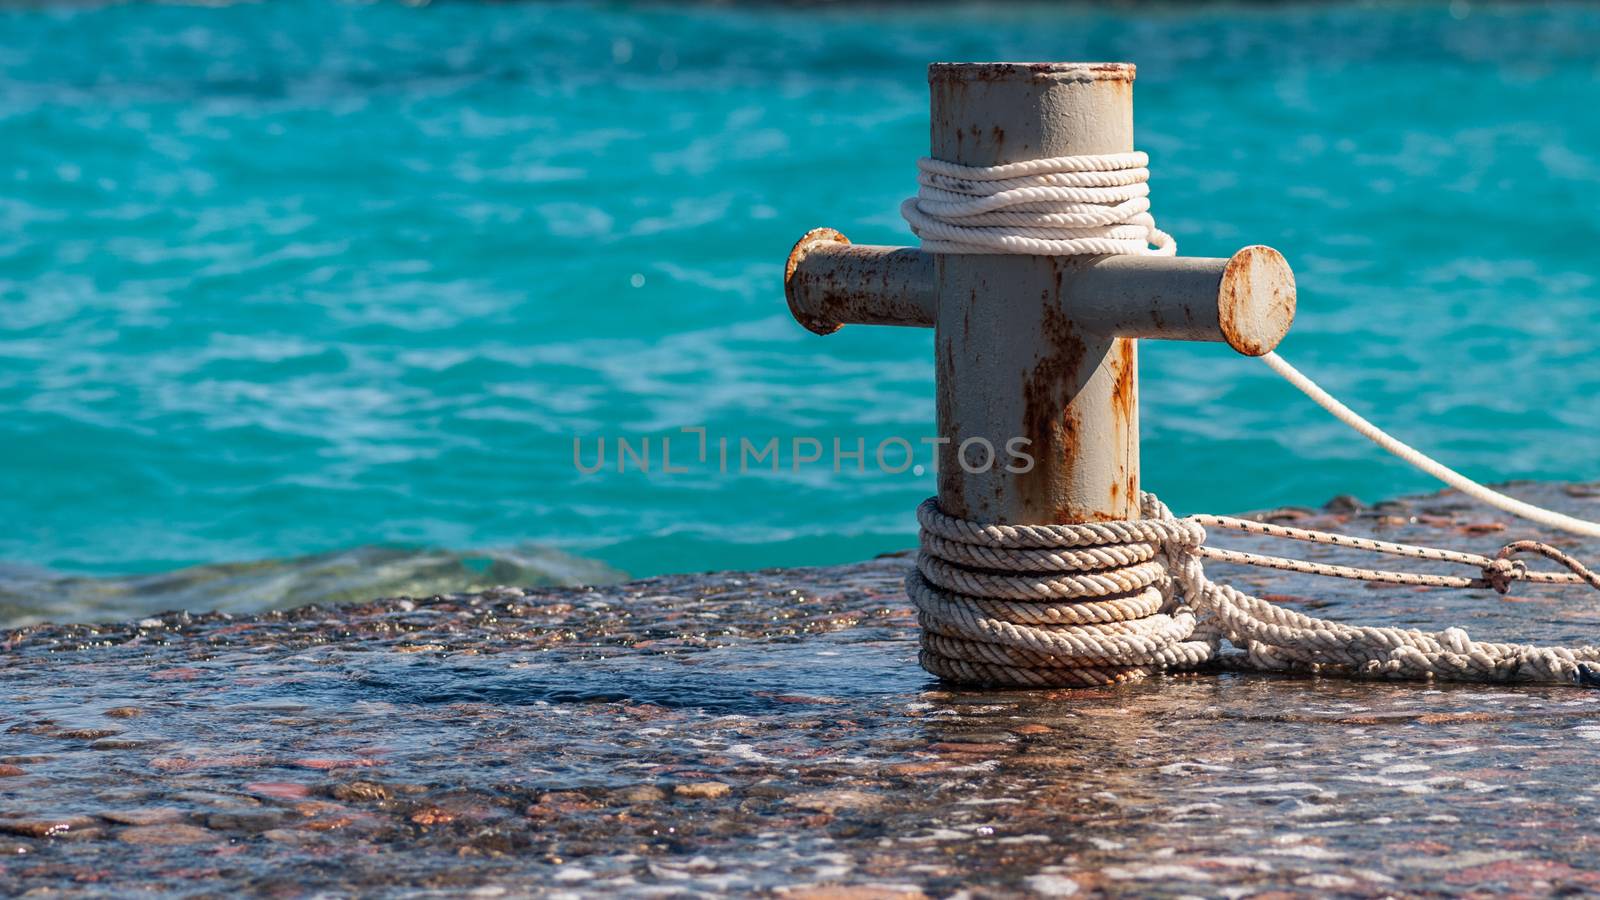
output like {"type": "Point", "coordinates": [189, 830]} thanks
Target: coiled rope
{"type": "Point", "coordinates": [1066, 206]}
{"type": "Point", "coordinates": [1100, 603]}
{"type": "Point", "coordinates": [1106, 602]}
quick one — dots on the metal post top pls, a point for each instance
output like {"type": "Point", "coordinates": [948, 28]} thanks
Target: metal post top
{"type": "Point", "coordinates": [1032, 72]}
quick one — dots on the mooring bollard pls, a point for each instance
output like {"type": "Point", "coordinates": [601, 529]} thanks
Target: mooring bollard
{"type": "Point", "coordinates": [1041, 348]}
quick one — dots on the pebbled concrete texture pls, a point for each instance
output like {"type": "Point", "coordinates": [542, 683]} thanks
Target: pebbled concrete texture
{"type": "Point", "coordinates": [770, 733]}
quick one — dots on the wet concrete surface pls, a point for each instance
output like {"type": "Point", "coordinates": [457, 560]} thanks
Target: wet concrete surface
{"type": "Point", "coordinates": [770, 732]}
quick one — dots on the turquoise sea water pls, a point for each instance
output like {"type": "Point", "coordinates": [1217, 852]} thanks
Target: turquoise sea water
{"type": "Point", "coordinates": [345, 281]}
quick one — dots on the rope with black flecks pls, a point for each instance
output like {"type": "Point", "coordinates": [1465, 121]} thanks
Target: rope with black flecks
{"type": "Point", "coordinates": [1105, 602]}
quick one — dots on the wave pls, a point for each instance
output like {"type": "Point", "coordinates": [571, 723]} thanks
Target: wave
{"type": "Point", "coordinates": [29, 595]}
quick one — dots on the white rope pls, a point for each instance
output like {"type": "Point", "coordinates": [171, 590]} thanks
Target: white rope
{"type": "Point", "coordinates": [1424, 462]}
{"type": "Point", "coordinates": [1098, 603]}
{"type": "Point", "coordinates": [1110, 616]}
{"type": "Point", "coordinates": [1065, 206]}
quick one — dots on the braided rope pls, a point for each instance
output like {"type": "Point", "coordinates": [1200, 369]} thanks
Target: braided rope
{"type": "Point", "coordinates": [1108, 602]}
{"type": "Point", "coordinates": [1422, 461]}
{"type": "Point", "coordinates": [1064, 206]}
{"type": "Point", "coordinates": [1496, 573]}
{"type": "Point", "coordinates": [1107, 613]}
{"type": "Point", "coordinates": [982, 557]}
{"type": "Point", "coordinates": [1009, 537]}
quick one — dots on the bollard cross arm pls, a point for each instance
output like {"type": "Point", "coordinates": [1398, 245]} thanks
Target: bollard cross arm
{"type": "Point", "coordinates": [1246, 300]}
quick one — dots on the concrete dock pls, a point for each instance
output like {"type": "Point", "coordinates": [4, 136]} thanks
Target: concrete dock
{"type": "Point", "coordinates": [769, 732]}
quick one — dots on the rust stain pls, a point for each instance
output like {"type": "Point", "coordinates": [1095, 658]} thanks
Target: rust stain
{"type": "Point", "coordinates": [1233, 301]}
{"type": "Point", "coordinates": [1060, 463]}
{"type": "Point", "coordinates": [794, 282]}
{"type": "Point", "coordinates": [1250, 330]}
{"type": "Point", "coordinates": [1125, 426]}
{"type": "Point", "coordinates": [960, 73]}
{"type": "Point", "coordinates": [1124, 396]}
{"type": "Point", "coordinates": [1120, 71]}
{"type": "Point", "coordinates": [848, 284]}
{"type": "Point", "coordinates": [1048, 420]}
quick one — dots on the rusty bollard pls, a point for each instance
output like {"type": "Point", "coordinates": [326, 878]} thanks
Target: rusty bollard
{"type": "Point", "coordinates": [1041, 348]}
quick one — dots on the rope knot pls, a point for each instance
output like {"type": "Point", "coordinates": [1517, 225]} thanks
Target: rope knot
{"type": "Point", "coordinates": [1500, 572]}
{"type": "Point", "coordinates": [1188, 535]}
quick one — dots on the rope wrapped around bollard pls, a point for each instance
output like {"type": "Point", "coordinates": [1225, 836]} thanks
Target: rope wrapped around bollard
{"type": "Point", "coordinates": [1103, 602]}
{"type": "Point", "coordinates": [1051, 605]}
{"type": "Point", "coordinates": [1108, 602]}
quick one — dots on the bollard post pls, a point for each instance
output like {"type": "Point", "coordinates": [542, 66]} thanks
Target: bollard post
{"type": "Point", "coordinates": [1038, 349]}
